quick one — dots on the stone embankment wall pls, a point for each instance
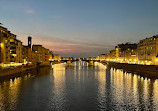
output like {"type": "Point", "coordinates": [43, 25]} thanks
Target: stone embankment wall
{"type": "Point", "coordinates": [14, 70]}
{"type": "Point", "coordinates": [143, 70]}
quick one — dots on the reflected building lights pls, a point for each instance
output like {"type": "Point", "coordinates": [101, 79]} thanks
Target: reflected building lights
{"type": "Point", "coordinates": [58, 71]}
{"type": "Point", "coordinates": [101, 77]}
{"type": "Point", "coordinates": [146, 88]}
{"type": "Point", "coordinates": [155, 94]}
{"type": "Point", "coordinates": [135, 88]}
{"type": "Point", "coordinates": [10, 88]}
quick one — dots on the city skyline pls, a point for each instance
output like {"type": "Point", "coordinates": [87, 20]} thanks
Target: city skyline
{"type": "Point", "coordinates": [80, 28]}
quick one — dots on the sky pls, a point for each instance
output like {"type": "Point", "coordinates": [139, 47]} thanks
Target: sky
{"type": "Point", "coordinates": [80, 28]}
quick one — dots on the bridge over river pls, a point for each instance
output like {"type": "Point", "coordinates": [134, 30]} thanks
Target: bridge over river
{"type": "Point", "coordinates": [69, 61]}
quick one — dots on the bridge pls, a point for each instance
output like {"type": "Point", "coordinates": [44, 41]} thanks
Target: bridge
{"type": "Point", "coordinates": [69, 61]}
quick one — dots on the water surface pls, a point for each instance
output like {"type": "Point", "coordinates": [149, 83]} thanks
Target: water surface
{"type": "Point", "coordinates": [78, 88]}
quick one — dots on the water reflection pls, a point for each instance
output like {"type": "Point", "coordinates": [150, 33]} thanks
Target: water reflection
{"type": "Point", "coordinates": [9, 92]}
{"type": "Point", "coordinates": [78, 87]}
{"type": "Point", "coordinates": [58, 91]}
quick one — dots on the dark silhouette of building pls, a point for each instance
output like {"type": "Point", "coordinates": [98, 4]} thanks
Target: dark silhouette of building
{"type": "Point", "coordinates": [126, 46]}
{"type": "Point", "coordinates": [29, 42]}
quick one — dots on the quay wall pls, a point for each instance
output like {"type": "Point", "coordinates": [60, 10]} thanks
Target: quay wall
{"type": "Point", "coordinates": [14, 70]}
{"type": "Point", "coordinates": [150, 71]}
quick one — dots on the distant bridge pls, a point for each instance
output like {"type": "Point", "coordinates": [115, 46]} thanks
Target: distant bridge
{"type": "Point", "coordinates": [69, 61]}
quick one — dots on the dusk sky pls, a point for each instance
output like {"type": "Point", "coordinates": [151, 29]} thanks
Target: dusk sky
{"type": "Point", "coordinates": [80, 28]}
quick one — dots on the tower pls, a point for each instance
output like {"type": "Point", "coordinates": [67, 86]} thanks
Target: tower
{"type": "Point", "coordinates": [29, 41]}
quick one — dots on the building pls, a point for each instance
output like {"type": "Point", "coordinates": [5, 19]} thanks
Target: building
{"type": "Point", "coordinates": [30, 42]}
{"type": "Point", "coordinates": [43, 54]}
{"type": "Point", "coordinates": [19, 53]}
{"type": "Point", "coordinates": [39, 50]}
{"type": "Point", "coordinates": [27, 54]}
{"type": "Point", "coordinates": [112, 54]}
{"type": "Point", "coordinates": [51, 55]}
{"type": "Point", "coordinates": [5, 45]}
{"type": "Point", "coordinates": [101, 57]}
{"type": "Point", "coordinates": [126, 51]}
{"type": "Point", "coordinates": [10, 48]}
{"type": "Point", "coordinates": [148, 51]}
{"type": "Point", "coordinates": [145, 52]}
{"type": "Point", "coordinates": [13, 53]}
{"type": "Point", "coordinates": [36, 53]}
{"type": "Point", "coordinates": [130, 56]}
{"type": "Point", "coordinates": [57, 57]}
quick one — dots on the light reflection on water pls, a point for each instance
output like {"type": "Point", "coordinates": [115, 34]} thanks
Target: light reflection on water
{"type": "Point", "coordinates": [78, 87]}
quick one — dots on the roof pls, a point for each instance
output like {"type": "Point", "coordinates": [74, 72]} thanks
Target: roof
{"type": "Point", "coordinates": [36, 45]}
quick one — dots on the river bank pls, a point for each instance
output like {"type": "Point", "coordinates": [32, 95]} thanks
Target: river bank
{"type": "Point", "coordinates": [12, 72]}
{"type": "Point", "coordinates": [150, 71]}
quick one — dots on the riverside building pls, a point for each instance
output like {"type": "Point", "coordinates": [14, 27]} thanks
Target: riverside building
{"type": "Point", "coordinates": [145, 52]}
{"type": "Point", "coordinates": [10, 48]}
{"type": "Point", "coordinates": [29, 56]}
{"type": "Point", "coordinates": [36, 53]}
{"type": "Point", "coordinates": [57, 57]}
{"type": "Point", "coordinates": [13, 53]}
{"type": "Point", "coordinates": [101, 57]}
{"type": "Point", "coordinates": [148, 51]}
{"type": "Point", "coordinates": [43, 54]}
{"type": "Point", "coordinates": [126, 52]}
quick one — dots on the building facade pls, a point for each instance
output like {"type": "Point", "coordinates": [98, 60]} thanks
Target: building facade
{"type": "Point", "coordinates": [57, 57]}
{"type": "Point", "coordinates": [126, 52]}
{"type": "Point", "coordinates": [10, 47]}
{"type": "Point", "coordinates": [148, 50]}
{"type": "Point", "coordinates": [145, 52]}
{"type": "Point", "coordinates": [101, 57]}
{"type": "Point", "coordinates": [43, 54]}
{"type": "Point", "coordinates": [13, 52]}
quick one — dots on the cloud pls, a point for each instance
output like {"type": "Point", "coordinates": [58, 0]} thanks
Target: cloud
{"type": "Point", "coordinates": [67, 47]}
{"type": "Point", "coordinates": [30, 11]}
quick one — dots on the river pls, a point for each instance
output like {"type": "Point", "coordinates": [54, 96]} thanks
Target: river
{"type": "Point", "coordinates": [78, 88]}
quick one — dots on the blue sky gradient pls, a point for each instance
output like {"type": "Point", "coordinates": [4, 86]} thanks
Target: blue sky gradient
{"type": "Point", "coordinates": [80, 28]}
